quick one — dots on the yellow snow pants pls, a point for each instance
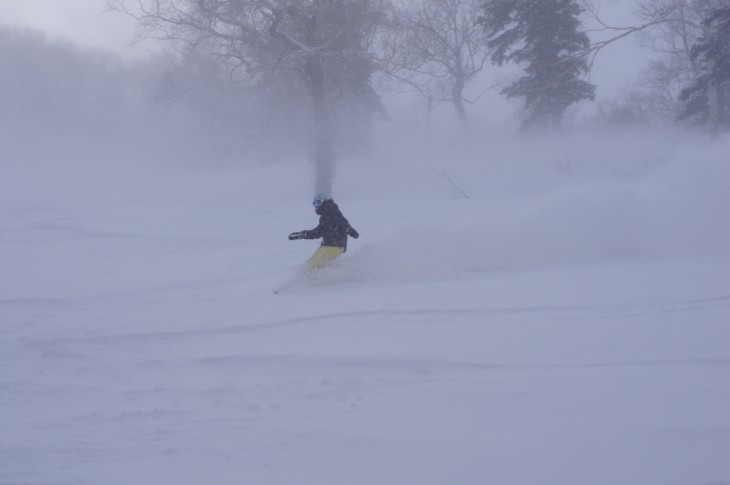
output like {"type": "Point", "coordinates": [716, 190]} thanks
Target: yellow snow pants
{"type": "Point", "coordinates": [322, 257]}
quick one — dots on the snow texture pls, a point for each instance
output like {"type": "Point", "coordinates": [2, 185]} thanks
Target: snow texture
{"type": "Point", "coordinates": [568, 323]}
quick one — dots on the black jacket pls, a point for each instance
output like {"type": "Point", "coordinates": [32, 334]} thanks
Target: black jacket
{"type": "Point", "coordinates": [333, 228]}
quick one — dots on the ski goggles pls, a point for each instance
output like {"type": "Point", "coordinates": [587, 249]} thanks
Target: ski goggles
{"type": "Point", "coordinates": [318, 199]}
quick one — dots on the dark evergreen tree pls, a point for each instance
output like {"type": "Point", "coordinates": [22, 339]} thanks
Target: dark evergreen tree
{"type": "Point", "coordinates": [544, 36]}
{"type": "Point", "coordinates": [707, 101]}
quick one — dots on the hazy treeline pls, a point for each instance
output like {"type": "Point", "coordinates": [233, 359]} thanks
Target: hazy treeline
{"type": "Point", "coordinates": [57, 97]}
{"type": "Point", "coordinates": [687, 81]}
{"type": "Point", "coordinates": [61, 102]}
{"type": "Point", "coordinates": [440, 49]}
{"type": "Point", "coordinates": [273, 79]}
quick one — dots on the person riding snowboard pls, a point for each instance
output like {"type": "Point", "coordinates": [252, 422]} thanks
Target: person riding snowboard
{"type": "Point", "coordinates": [333, 228]}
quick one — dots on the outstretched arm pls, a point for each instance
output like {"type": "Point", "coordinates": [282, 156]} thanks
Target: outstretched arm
{"type": "Point", "coordinates": [352, 232]}
{"type": "Point", "coordinates": [315, 233]}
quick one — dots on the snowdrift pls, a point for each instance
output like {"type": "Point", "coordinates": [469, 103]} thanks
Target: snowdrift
{"type": "Point", "coordinates": [566, 324]}
{"type": "Point", "coordinates": [676, 209]}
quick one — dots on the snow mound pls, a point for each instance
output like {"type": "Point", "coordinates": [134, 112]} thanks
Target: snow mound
{"type": "Point", "coordinates": [677, 211]}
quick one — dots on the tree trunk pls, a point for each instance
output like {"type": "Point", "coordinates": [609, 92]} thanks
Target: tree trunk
{"type": "Point", "coordinates": [712, 101]}
{"type": "Point", "coordinates": [712, 98]}
{"type": "Point", "coordinates": [323, 155]}
{"type": "Point", "coordinates": [429, 112]}
{"type": "Point", "coordinates": [457, 98]}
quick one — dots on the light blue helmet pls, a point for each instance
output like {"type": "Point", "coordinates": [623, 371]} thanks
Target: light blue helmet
{"type": "Point", "coordinates": [319, 198]}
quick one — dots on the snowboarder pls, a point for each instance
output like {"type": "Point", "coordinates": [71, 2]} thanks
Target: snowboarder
{"type": "Point", "coordinates": [333, 228]}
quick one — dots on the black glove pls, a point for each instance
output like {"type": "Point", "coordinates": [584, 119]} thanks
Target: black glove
{"type": "Point", "coordinates": [295, 235]}
{"type": "Point", "coordinates": [352, 232]}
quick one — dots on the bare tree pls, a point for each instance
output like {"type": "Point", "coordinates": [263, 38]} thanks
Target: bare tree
{"type": "Point", "coordinates": [612, 33]}
{"type": "Point", "coordinates": [437, 47]}
{"type": "Point", "coordinates": [321, 46]}
{"type": "Point", "coordinates": [669, 28]}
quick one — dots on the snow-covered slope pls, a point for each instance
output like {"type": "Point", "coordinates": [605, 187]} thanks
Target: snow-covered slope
{"type": "Point", "coordinates": [566, 324]}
